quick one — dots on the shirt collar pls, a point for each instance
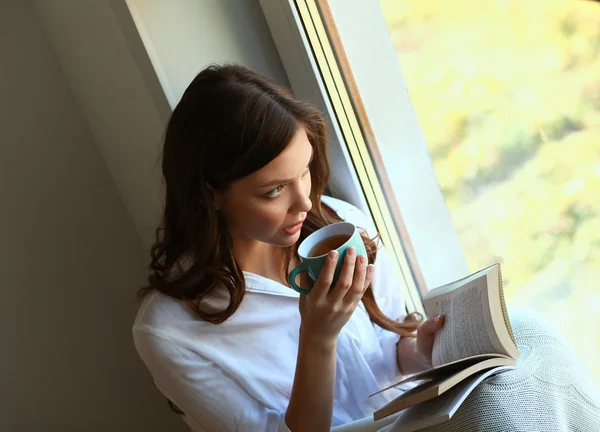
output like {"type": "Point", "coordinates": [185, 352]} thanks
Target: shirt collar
{"type": "Point", "coordinates": [260, 284]}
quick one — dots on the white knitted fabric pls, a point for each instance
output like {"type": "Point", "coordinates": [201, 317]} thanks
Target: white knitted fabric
{"type": "Point", "coordinates": [549, 390]}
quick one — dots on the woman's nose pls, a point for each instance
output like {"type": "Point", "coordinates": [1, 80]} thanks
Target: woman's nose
{"type": "Point", "coordinates": [302, 203]}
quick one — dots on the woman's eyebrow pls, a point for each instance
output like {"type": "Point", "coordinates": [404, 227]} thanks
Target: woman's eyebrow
{"type": "Point", "coordinates": [281, 181]}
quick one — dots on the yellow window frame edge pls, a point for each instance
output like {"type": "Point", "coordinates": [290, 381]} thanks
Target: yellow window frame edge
{"type": "Point", "coordinates": [317, 34]}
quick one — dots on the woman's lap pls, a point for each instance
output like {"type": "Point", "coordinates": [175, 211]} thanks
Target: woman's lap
{"type": "Point", "coordinates": [549, 390]}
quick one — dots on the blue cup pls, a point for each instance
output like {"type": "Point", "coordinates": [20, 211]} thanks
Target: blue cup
{"type": "Point", "coordinates": [314, 264]}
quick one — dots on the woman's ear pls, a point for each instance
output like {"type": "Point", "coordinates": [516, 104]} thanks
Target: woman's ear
{"type": "Point", "coordinates": [215, 197]}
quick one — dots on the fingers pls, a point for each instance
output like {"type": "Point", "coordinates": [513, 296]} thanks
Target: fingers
{"type": "Point", "coordinates": [362, 278]}
{"type": "Point", "coordinates": [369, 277]}
{"type": "Point", "coordinates": [323, 283]}
{"type": "Point", "coordinates": [305, 281]}
{"type": "Point", "coordinates": [431, 325]}
{"type": "Point", "coordinates": [344, 282]}
{"type": "Point", "coordinates": [426, 332]}
{"type": "Point", "coordinates": [355, 277]}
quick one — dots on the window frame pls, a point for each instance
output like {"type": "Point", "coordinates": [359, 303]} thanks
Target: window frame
{"type": "Point", "coordinates": [328, 64]}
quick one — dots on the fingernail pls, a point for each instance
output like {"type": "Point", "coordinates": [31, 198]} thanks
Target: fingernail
{"type": "Point", "coordinates": [333, 255]}
{"type": "Point", "coordinates": [437, 318]}
{"type": "Point", "coordinates": [371, 268]}
{"type": "Point", "coordinates": [362, 260]}
{"type": "Point", "coordinates": [351, 251]}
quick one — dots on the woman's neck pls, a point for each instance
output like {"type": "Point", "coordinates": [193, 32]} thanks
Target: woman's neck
{"type": "Point", "coordinates": [265, 260]}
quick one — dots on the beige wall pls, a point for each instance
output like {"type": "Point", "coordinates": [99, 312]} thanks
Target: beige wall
{"type": "Point", "coordinates": [102, 59]}
{"type": "Point", "coordinates": [70, 259]}
{"type": "Point", "coordinates": [116, 85]}
{"type": "Point", "coordinates": [82, 114]}
{"type": "Point", "coordinates": [184, 36]}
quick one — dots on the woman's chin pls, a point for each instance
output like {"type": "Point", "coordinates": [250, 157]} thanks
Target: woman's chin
{"type": "Point", "coordinates": [286, 240]}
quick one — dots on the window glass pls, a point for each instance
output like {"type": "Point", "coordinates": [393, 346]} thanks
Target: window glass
{"type": "Point", "coordinates": [507, 94]}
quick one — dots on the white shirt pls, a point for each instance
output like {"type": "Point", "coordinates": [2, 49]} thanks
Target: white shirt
{"type": "Point", "coordinates": [238, 375]}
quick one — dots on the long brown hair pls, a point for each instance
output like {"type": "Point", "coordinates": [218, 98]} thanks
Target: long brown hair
{"type": "Point", "coordinates": [229, 123]}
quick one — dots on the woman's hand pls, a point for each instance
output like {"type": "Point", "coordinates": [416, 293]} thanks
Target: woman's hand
{"type": "Point", "coordinates": [325, 311]}
{"type": "Point", "coordinates": [425, 335]}
{"type": "Point", "coordinates": [414, 354]}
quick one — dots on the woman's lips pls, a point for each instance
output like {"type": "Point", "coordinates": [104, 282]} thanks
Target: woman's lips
{"type": "Point", "coordinates": [293, 229]}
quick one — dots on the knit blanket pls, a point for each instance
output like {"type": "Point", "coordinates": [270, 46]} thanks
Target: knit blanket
{"type": "Point", "coordinates": [549, 390]}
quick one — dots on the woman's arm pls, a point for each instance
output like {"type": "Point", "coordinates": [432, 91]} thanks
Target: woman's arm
{"type": "Point", "coordinates": [324, 312]}
{"type": "Point", "coordinates": [211, 399]}
{"type": "Point", "coordinates": [311, 401]}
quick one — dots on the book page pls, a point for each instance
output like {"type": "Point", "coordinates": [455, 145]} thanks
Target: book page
{"type": "Point", "coordinates": [441, 408]}
{"type": "Point", "coordinates": [468, 329]}
{"type": "Point", "coordinates": [439, 385]}
{"type": "Point", "coordinates": [413, 381]}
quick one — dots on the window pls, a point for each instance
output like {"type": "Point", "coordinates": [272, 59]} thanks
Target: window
{"type": "Point", "coordinates": [472, 133]}
{"type": "Point", "coordinates": [508, 97]}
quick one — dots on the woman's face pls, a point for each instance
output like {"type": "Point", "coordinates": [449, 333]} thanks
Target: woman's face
{"type": "Point", "coordinates": [264, 205]}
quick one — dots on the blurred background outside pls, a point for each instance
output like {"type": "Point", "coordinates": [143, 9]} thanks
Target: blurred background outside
{"type": "Point", "coordinates": [507, 94]}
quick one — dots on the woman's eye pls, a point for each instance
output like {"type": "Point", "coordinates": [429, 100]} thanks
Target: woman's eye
{"type": "Point", "coordinates": [275, 192]}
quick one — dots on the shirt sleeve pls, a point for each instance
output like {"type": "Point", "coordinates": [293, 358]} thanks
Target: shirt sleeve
{"type": "Point", "coordinates": [387, 290]}
{"type": "Point", "coordinates": [210, 399]}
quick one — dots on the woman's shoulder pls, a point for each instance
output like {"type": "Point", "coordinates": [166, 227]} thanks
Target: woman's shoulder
{"type": "Point", "coordinates": [351, 213]}
{"type": "Point", "coordinates": [336, 204]}
{"type": "Point", "coordinates": [159, 314]}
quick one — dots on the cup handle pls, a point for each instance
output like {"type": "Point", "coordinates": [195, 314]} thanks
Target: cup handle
{"type": "Point", "coordinates": [303, 267]}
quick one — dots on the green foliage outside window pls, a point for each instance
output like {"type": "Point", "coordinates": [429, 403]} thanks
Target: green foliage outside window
{"type": "Point", "coordinates": [507, 94]}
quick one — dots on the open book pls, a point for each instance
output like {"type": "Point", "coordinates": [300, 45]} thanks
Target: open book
{"type": "Point", "coordinates": [439, 409]}
{"type": "Point", "coordinates": [477, 336]}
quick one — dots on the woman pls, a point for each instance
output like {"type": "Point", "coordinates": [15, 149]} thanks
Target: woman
{"type": "Point", "coordinates": [225, 338]}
